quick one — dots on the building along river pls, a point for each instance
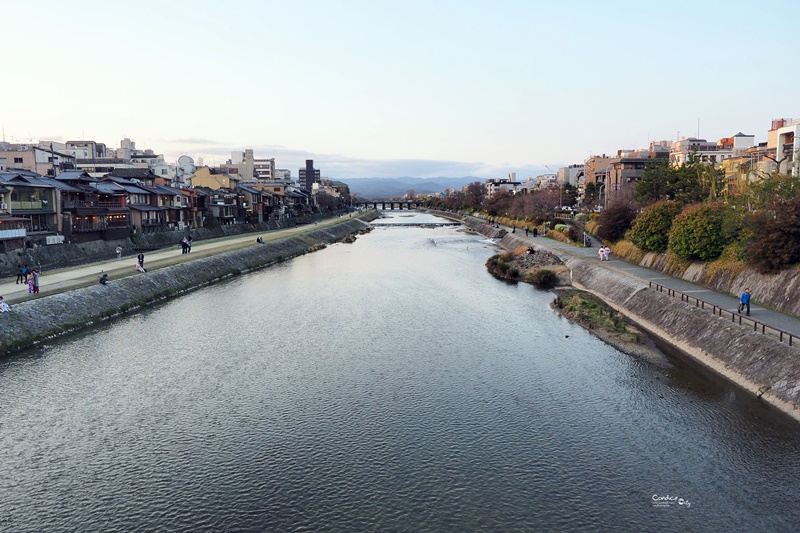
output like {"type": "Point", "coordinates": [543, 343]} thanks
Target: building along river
{"type": "Point", "coordinates": [386, 385]}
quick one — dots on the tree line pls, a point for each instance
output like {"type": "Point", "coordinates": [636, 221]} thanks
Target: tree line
{"type": "Point", "coordinates": [686, 211]}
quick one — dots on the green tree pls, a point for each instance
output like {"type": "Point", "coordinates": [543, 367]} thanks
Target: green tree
{"type": "Point", "coordinates": [657, 182]}
{"type": "Point", "coordinates": [651, 228]}
{"type": "Point", "coordinates": [702, 231]}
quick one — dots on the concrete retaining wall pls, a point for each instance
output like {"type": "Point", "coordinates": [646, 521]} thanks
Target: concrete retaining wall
{"type": "Point", "coordinates": [35, 320]}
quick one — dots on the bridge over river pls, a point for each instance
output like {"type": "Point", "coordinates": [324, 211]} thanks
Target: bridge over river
{"type": "Point", "coordinates": [418, 224]}
{"type": "Point", "coordinates": [387, 205]}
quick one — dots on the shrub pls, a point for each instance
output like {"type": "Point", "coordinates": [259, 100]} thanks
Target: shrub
{"type": "Point", "coordinates": [650, 230]}
{"type": "Point", "coordinates": [615, 221]}
{"type": "Point", "coordinates": [776, 237]}
{"type": "Point", "coordinates": [582, 217]}
{"type": "Point", "coordinates": [543, 278]}
{"type": "Point", "coordinates": [557, 220]}
{"type": "Point", "coordinates": [702, 231]}
{"type": "Point", "coordinates": [573, 233]}
{"type": "Point", "coordinates": [561, 227]}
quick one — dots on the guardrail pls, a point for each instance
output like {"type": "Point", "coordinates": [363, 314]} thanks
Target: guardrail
{"type": "Point", "coordinates": [721, 311]}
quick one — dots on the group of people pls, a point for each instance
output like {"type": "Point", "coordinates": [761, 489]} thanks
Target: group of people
{"type": "Point", "coordinates": [186, 245]}
{"type": "Point", "coordinates": [140, 263]}
{"type": "Point", "coordinates": [24, 273]}
{"type": "Point", "coordinates": [604, 253]}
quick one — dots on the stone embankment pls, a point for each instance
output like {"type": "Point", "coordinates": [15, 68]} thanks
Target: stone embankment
{"type": "Point", "coordinates": [777, 291]}
{"type": "Point", "coordinates": [36, 320]}
{"type": "Point", "coordinates": [80, 253]}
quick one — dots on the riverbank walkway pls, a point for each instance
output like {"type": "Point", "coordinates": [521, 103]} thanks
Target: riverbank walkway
{"type": "Point", "coordinates": [770, 317]}
{"type": "Point", "coordinates": [62, 279]}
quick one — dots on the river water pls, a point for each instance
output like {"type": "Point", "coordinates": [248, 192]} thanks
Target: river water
{"type": "Point", "coordinates": [386, 385]}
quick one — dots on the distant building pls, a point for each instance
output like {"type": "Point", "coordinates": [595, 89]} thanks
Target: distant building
{"type": "Point", "coordinates": [709, 152]}
{"type": "Point", "coordinates": [308, 175]}
{"type": "Point", "coordinates": [569, 175]}
{"type": "Point", "coordinates": [784, 139]}
{"type": "Point", "coordinates": [40, 160]}
{"type": "Point", "coordinates": [241, 165]}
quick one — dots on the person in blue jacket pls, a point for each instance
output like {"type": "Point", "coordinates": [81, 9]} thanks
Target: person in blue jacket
{"type": "Point", "coordinates": [744, 301]}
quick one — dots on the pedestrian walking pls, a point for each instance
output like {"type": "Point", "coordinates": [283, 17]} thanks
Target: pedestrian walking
{"type": "Point", "coordinates": [35, 278]}
{"type": "Point", "coordinates": [607, 252]}
{"type": "Point", "coordinates": [119, 252]}
{"type": "Point", "coordinates": [602, 253]}
{"type": "Point", "coordinates": [19, 273]}
{"type": "Point", "coordinates": [24, 273]}
{"type": "Point", "coordinates": [30, 284]}
{"type": "Point", "coordinates": [744, 302]}
{"type": "Point", "coordinates": [140, 258]}
{"type": "Point", "coordinates": [526, 231]}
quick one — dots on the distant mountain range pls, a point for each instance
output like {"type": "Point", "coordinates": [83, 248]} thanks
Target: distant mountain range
{"type": "Point", "coordinates": [380, 188]}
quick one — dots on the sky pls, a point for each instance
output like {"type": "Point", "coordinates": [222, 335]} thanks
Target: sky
{"type": "Point", "coordinates": [377, 88]}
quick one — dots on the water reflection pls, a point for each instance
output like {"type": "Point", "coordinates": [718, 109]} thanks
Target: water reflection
{"type": "Point", "coordinates": [388, 384]}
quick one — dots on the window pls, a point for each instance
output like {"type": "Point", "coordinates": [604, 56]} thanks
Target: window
{"type": "Point", "coordinates": [163, 171]}
{"type": "Point", "coordinates": [17, 160]}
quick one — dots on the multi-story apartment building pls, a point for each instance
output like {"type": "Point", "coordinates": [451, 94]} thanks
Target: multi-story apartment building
{"type": "Point", "coordinates": [241, 165]}
{"type": "Point", "coordinates": [38, 159]}
{"type": "Point", "coordinates": [569, 175]}
{"type": "Point", "coordinates": [87, 150]}
{"type": "Point", "coordinates": [784, 139]}
{"type": "Point", "coordinates": [710, 152]}
{"type": "Point", "coordinates": [264, 169]}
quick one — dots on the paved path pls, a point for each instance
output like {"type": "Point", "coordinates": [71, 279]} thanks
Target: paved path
{"type": "Point", "coordinates": [776, 319]}
{"type": "Point", "coordinates": [58, 280]}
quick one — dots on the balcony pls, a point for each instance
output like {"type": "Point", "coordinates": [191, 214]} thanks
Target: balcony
{"type": "Point", "coordinates": [33, 205]}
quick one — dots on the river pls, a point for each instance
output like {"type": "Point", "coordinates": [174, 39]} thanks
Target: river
{"type": "Point", "coordinates": [390, 384]}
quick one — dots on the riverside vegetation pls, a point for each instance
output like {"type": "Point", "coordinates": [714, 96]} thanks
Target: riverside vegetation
{"type": "Point", "coordinates": [545, 270]}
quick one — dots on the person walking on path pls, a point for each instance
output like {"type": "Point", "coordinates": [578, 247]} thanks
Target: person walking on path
{"type": "Point", "coordinates": [140, 258]}
{"type": "Point", "coordinates": [607, 253]}
{"type": "Point", "coordinates": [35, 278]}
{"type": "Point", "coordinates": [24, 273]}
{"type": "Point", "coordinates": [602, 253]}
{"type": "Point", "coordinates": [744, 302]}
{"type": "Point", "coordinates": [119, 252]}
{"type": "Point", "coordinates": [19, 273]}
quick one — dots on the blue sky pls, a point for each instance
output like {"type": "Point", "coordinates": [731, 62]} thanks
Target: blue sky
{"type": "Point", "coordinates": [388, 89]}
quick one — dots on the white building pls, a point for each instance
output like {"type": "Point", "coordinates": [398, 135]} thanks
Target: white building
{"type": "Point", "coordinates": [569, 175]}
{"type": "Point", "coordinates": [710, 152]}
{"type": "Point", "coordinates": [493, 186]}
{"type": "Point", "coordinates": [784, 138]}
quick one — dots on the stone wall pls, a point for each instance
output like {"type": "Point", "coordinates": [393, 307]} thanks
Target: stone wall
{"type": "Point", "coordinates": [71, 254]}
{"type": "Point", "coordinates": [39, 319]}
{"type": "Point", "coordinates": [776, 291]}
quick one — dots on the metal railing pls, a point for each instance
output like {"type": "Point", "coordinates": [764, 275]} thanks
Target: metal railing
{"type": "Point", "coordinates": [758, 327]}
